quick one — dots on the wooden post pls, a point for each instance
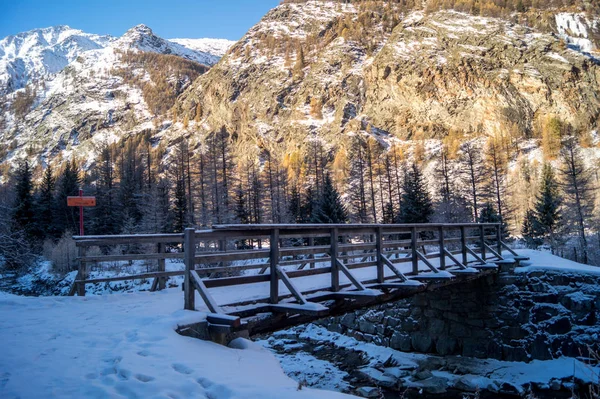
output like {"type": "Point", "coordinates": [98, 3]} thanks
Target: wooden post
{"type": "Point", "coordinates": [311, 242]}
{"type": "Point", "coordinates": [379, 246]}
{"type": "Point", "coordinates": [482, 241]}
{"type": "Point", "coordinates": [442, 249]}
{"type": "Point", "coordinates": [413, 247]}
{"type": "Point", "coordinates": [463, 245]}
{"type": "Point", "coordinates": [274, 263]}
{"type": "Point", "coordinates": [499, 239]}
{"type": "Point", "coordinates": [162, 281]}
{"type": "Point", "coordinates": [81, 273]}
{"type": "Point", "coordinates": [189, 248]}
{"type": "Point", "coordinates": [335, 272]}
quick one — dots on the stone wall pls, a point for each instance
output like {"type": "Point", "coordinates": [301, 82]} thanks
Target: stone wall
{"type": "Point", "coordinates": [538, 315]}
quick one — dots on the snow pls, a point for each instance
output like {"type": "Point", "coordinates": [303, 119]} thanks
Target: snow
{"type": "Point", "coordinates": [573, 28]}
{"type": "Point", "coordinates": [541, 261]}
{"type": "Point", "coordinates": [126, 346]}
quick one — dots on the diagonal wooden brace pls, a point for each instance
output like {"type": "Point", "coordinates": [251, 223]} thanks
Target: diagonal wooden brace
{"type": "Point", "coordinates": [427, 262]}
{"type": "Point", "coordinates": [208, 299]}
{"type": "Point", "coordinates": [350, 276]}
{"type": "Point", "coordinates": [392, 267]}
{"type": "Point", "coordinates": [453, 258]}
{"type": "Point", "coordinates": [288, 283]}
{"type": "Point", "coordinates": [477, 257]}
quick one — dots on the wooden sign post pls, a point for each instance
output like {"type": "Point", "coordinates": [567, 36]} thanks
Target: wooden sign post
{"type": "Point", "coordinates": [81, 202]}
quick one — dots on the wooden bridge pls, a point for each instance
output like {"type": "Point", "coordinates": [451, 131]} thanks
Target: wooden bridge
{"type": "Point", "coordinates": [302, 271]}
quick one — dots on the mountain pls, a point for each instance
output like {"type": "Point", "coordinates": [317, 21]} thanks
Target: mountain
{"type": "Point", "coordinates": [119, 87]}
{"type": "Point", "coordinates": [38, 53]}
{"type": "Point", "coordinates": [331, 70]}
{"type": "Point", "coordinates": [215, 47]}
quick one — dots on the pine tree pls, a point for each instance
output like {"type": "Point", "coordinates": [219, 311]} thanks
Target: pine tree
{"type": "Point", "coordinates": [416, 202]}
{"type": "Point", "coordinates": [23, 210]}
{"type": "Point", "coordinates": [547, 205]}
{"type": "Point", "coordinates": [530, 230]}
{"type": "Point", "coordinates": [330, 208]}
{"type": "Point", "coordinates": [294, 206]}
{"type": "Point", "coordinates": [67, 218]}
{"type": "Point", "coordinates": [46, 204]}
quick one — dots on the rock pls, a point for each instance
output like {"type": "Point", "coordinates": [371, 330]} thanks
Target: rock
{"type": "Point", "coordinates": [578, 302]}
{"type": "Point", "coordinates": [433, 385]}
{"type": "Point", "coordinates": [401, 341]}
{"type": "Point", "coordinates": [446, 345]}
{"type": "Point", "coordinates": [543, 312]}
{"type": "Point", "coordinates": [540, 348]}
{"type": "Point", "coordinates": [348, 320]}
{"type": "Point", "coordinates": [560, 325]}
{"type": "Point", "coordinates": [393, 322]}
{"type": "Point", "coordinates": [366, 327]}
{"type": "Point", "coordinates": [514, 354]}
{"type": "Point", "coordinates": [555, 384]}
{"type": "Point", "coordinates": [421, 342]}
{"type": "Point", "coordinates": [368, 392]}
{"type": "Point", "coordinates": [410, 325]}
{"type": "Point", "coordinates": [423, 375]}
{"type": "Point", "coordinates": [396, 372]}
{"type": "Point", "coordinates": [436, 326]}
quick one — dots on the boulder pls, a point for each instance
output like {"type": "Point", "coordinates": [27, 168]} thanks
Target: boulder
{"type": "Point", "coordinates": [368, 392]}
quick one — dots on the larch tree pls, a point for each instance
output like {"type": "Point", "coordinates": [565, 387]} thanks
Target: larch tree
{"type": "Point", "coordinates": [579, 192]}
{"type": "Point", "coordinates": [473, 175]}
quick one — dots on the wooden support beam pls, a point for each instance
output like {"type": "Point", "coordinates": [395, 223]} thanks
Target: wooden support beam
{"type": "Point", "coordinates": [82, 272]}
{"type": "Point", "coordinates": [211, 304]}
{"type": "Point", "coordinates": [463, 245]}
{"type": "Point", "coordinates": [509, 249]}
{"type": "Point", "coordinates": [162, 282]}
{"type": "Point", "coordinates": [442, 249]}
{"type": "Point", "coordinates": [290, 285]}
{"type": "Point", "coordinates": [311, 243]}
{"type": "Point", "coordinates": [496, 254]}
{"type": "Point", "coordinates": [453, 258]}
{"type": "Point", "coordinates": [335, 273]}
{"type": "Point", "coordinates": [499, 239]}
{"type": "Point", "coordinates": [393, 268]}
{"type": "Point", "coordinates": [427, 262]}
{"type": "Point", "coordinates": [350, 276]}
{"type": "Point", "coordinates": [274, 262]}
{"type": "Point", "coordinates": [415, 253]}
{"type": "Point", "coordinates": [482, 242]}
{"type": "Point", "coordinates": [476, 256]}
{"type": "Point", "coordinates": [379, 250]}
{"type": "Point", "coordinates": [189, 247]}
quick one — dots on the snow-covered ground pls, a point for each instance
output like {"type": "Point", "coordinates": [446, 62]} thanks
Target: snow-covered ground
{"type": "Point", "coordinates": [117, 346]}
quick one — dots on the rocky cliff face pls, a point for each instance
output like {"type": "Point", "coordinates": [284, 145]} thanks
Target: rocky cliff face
{"type": "Point", "coordinates": [432, 73]}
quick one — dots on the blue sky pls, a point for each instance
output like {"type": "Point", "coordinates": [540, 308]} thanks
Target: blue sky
{"type": "Point", "coordinates": [228, 19]}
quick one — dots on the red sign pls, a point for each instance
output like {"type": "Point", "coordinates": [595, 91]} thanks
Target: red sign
{"type": "Point", "coordinates": [81, 201]}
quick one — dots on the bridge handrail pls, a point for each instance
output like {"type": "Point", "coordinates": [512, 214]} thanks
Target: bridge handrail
{"type": "Point", "coordinates": [219, 235]}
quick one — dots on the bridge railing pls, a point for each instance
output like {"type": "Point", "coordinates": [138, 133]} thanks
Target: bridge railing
{"type": "Point", "coordinates": [365, 256]}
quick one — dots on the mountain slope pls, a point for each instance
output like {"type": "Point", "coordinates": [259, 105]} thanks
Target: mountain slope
{"type": "Point", "coordinates": [429, 74]}
{"type": "Point", "coordinates": [105, 93]}
{"type": "Point", "coordinates": [37, 53]}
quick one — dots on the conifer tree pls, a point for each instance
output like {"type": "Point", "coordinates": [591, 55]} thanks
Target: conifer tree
{"type": "Point", "coordinates": [330, 208]}
{"type": "Point", "coordinates": [46, 204]}
{"type": "Point", "coordinates": [547, 206]}
{"type": "Point", "coordinates": [577, 186]}
{"type": "Point", "coordinates": [530, 230]}
{"type": "Point", "coordinates": [67, 218]}
{"type": "Point", "coordinates": [416, 204]}
{"type": "Point", "coordinates": [23, 210]}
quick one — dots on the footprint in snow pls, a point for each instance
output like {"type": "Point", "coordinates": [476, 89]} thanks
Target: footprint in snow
{"type": "Point", "coordinates": [4, 378]}
{"type": "Point", "coordinates": [144, 378]}
{"type": "Point", "coordinates": [124, 374]}
{"type": "Point", "coordinates": [182, 368]}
